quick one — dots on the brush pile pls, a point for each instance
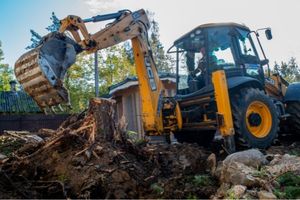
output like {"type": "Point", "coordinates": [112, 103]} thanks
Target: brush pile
{"type": "Point", "coordinates": [90, 156]}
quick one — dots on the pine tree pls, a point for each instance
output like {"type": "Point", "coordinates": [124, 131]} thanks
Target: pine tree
{"type": "Point", "coordinates": [163, 61]}
{"type": "Point", "coordinates": [36, 38]}
{"type": "Point", "coordinates": [55, 23]}
{"type": "Point", "coordinates": [290, 70]}
{"type": "Point", "coordinates": [1, 53]}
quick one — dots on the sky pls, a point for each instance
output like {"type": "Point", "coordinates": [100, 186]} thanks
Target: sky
{"type": "Point", "coordinates": [174, 17]}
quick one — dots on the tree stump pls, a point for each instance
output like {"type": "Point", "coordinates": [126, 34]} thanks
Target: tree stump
{"type": "Point", "coordinates": [103, 112]}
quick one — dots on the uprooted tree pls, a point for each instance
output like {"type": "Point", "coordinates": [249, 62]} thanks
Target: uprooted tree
{"type": "Point", "coordinates": [89, 156]}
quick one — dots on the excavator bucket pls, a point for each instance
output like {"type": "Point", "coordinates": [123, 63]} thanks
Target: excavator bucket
{"type": "Point", "coordinates": [41, 70]}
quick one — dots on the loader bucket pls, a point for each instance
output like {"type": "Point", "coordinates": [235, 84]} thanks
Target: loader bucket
{"type": "Point", "coordinates": [41, 70]}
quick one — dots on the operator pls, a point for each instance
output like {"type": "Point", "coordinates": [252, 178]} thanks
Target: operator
{"type": "Point", "coordinates": [201, 64]}
{"type": "Point", "coordinates": [196, 80]}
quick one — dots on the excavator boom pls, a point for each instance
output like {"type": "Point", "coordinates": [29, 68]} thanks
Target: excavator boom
{"type": "Point", "coordinates": [41, 71]}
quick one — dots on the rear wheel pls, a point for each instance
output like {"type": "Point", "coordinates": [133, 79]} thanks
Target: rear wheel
{"type": "Point", "coordinates": [255, 118]}
{"type": "Point", "coordinates": [293, 108]}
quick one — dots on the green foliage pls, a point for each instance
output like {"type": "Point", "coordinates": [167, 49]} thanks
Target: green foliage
{"type": "Point", "coordinates": [1, 53]}
{"type": "Point", "coordinates": [289, 186]}
{"type": "Point", "coordinates": [203, 180]}
{"type": "Point", "coordinates": [62, 178]}
{"type": "Point", "coordinates": [114, 66]}
{"type": "Point", "coordinates": [261, 173]}
{"type": "Point", "coordinates": [164, 62]}
{"type": "Point", "coordinates": [230, 194]}
{"type": "Point", "coordinates": [295, 152]}
{"type": "Point", "coordinates": [79, 82]}
{"type": "Point", "coordinates": [290, 70]}
{"type": "Point", "coordinates": [192, 196]}
{"type": "Point", "coordinates": [6, 73]}
{"type": "Point", "coordinates": [157, 188]}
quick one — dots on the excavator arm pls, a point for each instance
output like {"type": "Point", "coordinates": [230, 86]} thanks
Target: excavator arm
{"type": "Point", "coordinates": [41, 70]}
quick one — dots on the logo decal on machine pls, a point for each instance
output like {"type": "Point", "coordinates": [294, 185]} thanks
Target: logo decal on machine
{"type": "Point", "coordinates": [150, 73]}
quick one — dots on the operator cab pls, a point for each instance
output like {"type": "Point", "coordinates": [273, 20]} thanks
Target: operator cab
{"type": "Point", "coordinates": [211, 47]}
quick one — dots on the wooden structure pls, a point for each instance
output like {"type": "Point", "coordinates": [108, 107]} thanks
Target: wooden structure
{"type": "Point", "coordinates": [127, 96]}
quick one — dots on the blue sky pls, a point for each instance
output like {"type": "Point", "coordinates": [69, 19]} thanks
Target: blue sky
{"type": "Point", "coordinates": [19, 16]}
{"type": "Point", "coordinates": [174, 17]}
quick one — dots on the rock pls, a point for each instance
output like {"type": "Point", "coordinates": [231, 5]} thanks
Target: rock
{"type": "Point", "coordinates": [211, 163]}
{"type": "Point", "coordinates": [251, 158]}
{"type": "Point", "coordinates": [284, 163]}
{"type": "Point", "coordinates": [238, 191]}
{"type": "Point", "coordinates": [238, 174]}
{"type": "Point", "coordinates": [184, 161]}
{"type": "Point", "coordinates": [266, 195]}
{"type": "Point", "coordinates": [239, 168]}
{"type": "Point", "coordinates": [222, 191]}
{"type": "Point", "coordinates": [219, 169]}
{"type": "Point", "coordinates": [2, 157]}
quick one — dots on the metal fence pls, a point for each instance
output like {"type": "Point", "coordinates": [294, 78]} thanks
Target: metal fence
{"type": "Point", "coordinates": [32, 122]}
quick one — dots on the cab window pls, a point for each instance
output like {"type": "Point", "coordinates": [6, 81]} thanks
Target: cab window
{"type": "Point", "coordinates": [220, 49]}
{"type": "Point", "coordinates": [247, 51]}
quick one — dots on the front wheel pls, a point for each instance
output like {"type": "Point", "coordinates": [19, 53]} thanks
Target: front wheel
{"type": "Point", "coordinates": [255, 118]}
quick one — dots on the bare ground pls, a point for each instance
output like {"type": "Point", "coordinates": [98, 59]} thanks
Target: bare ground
{"type": "Point", "coordinates": [89, 156]}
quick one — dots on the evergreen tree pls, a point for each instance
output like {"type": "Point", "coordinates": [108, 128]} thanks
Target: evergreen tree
{"type": "Point", "coordinates": [164, 62]}
{"type": "Point", "coordinates": [1, 53]}
{"type": "Point", "coordinates": [36, 38]}
{"type": "Point", "coordinates": [290, 70]}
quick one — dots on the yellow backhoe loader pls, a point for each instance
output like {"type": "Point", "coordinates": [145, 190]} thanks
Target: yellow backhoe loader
{"type": "Point", "coordinates": [221, 86]}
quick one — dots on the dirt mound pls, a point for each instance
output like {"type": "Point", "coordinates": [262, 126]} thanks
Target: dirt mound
{"type": "Point", "coordinates": [89, 156]}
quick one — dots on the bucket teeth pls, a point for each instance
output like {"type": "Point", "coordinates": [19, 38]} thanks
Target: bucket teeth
{"type": "Point", "coordinates": [40, 70]}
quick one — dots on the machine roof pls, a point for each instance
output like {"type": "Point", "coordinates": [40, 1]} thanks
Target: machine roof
{"type": "Point", "coordinates": [211, 25]}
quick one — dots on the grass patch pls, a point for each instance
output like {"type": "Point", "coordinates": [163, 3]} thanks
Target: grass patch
{"type": "Point", "coordinates": [230, 194]}
{"type": "Point", "coordinates": [295, 152]}
{"type": "Point", "coordinates": [62, 177]}
{"type": "Point", "coordinates": [157, 188]}
{"type": "Point", "coordinates": [203, 180]}
{"type": "Point", "coordinates": [289, 186]}
{"type": "Point", "coordinates": [261, 173]}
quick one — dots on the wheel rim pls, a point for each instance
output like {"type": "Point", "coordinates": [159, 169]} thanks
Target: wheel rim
{"type": "Point", "coordinates": [258, 119]}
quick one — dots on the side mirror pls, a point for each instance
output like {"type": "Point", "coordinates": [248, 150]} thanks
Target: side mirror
{"type": "Point", "coordinates": [268, 33]}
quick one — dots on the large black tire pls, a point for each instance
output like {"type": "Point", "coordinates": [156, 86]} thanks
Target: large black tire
{"type": "Point", "coordinates": [253, 129]}
{"type": "Point", "coordinates": [293, 108]}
